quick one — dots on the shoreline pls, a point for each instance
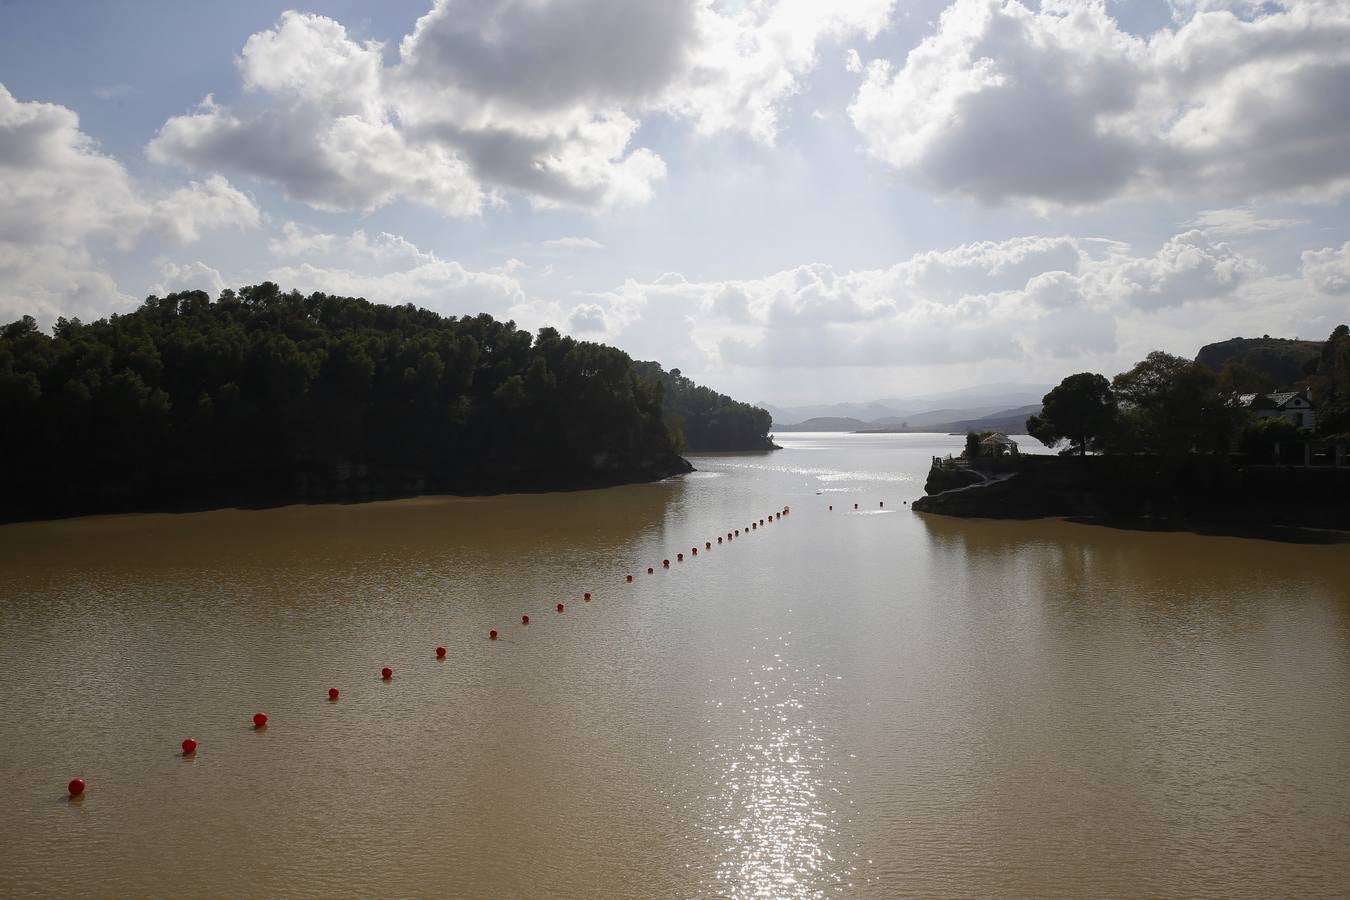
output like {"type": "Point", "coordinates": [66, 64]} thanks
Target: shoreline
{"type": "Point", "coordinates": [1199, 495]}
{"type": "Point", "coordinates": [262, 499]}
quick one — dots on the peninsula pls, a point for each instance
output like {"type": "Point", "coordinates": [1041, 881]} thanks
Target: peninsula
{"type": "Point", "coordinates": [1174, 443]}
{"type": "Point", "coordinates": [262, 397]}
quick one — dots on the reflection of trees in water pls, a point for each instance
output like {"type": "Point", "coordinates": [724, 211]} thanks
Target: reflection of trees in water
{"type": "Point", "coordinates": [1080, 571]}
{"type": "Point", "coordinates": [516, 529]}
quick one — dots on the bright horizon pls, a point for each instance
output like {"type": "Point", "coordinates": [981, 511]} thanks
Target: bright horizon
{"type": "Point", "coordinates": [792, 203]}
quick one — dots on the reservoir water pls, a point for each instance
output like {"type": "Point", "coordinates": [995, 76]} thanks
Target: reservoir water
{"type": "Point", "coordinates": [869, 703]}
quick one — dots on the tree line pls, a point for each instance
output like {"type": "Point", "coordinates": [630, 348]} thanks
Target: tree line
{"type": "Point", "coordinates": [705, 421]}
{"type": "Point", "coordinates": [1168, 405]}
{"type": "Point", "coordinates": [190, 400]}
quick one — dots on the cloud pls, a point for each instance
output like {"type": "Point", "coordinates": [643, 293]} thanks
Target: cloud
{"type": "Point", "coordinates": [1238, 221]}
{"type": "Point", "coordinates": [542, 99]}
{"type": "Point", "coordinates": [214, 203]}
{"type": "Point", "coordinates": [1026, 298]}
{"type": "Point", "coordinates": [297, 240]}
{"type": "Point", "coordinates": [573, 243]}
{"type": "Point", "coordinates": [1328, 269]}
{"type": "Point", "coordinates": [588, 317]}
{"type": "Point", "coordinates": [1061, 106]}
{"type": "Point", "coordinates": [59, 195]}
{"type": "Point", "coordinates": [112, 91]}
{"type": "Point", "coordinates": [389, 269]}
{"type": "Point", "coordinates": [195, 276]}
{"type": "Point", "coordinates": [1187, 267]}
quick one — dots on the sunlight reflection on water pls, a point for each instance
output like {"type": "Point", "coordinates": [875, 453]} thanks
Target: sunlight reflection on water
{"type": "Point", "coordinates": [825, 475]}
{"type": "Point", "coordinates": [769, 813]}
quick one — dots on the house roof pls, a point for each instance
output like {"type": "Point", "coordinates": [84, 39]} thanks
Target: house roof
{"type": "Point", "coordinates": [999, 437]}
{"type": "Point", "coordinates": [1274, 400]}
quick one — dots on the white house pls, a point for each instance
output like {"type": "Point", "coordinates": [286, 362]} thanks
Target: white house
{"type": "Point", "coordinates": [1293, 406]}
{"type": "Point", "coordinates": [998, 444]}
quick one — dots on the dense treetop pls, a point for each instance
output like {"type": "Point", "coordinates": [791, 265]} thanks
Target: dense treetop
{"type": "Point", "coordinates": [705, 420]}
{"type": "Point", "coordinates": [263, 393]}
{"type": "Point", "coordinates": [1168, 405]}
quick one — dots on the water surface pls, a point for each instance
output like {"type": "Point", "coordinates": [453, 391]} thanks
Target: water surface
{"type": "Point", "coordinates": [869, 703]}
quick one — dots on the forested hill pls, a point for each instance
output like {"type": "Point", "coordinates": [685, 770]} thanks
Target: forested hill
{"type": "Point", "coordinates": [706, 420]}
{"type": "Point", "coordinates": [1281, 361]}
{"type": "Point", "coordinates": [263, 396]}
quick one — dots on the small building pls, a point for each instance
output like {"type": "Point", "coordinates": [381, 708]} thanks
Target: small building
{"type": "Point", "coordinates": [998, 444]}
{"type": "Point", "coordinates": [1292, 406]}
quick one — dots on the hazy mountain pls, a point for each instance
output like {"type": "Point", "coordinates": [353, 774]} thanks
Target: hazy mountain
{"type": "Point", "coordinates": [1009, 421]}
{"type": "Point", "coordinates": [919, 409]}
{"type": "Point", "coordinates": [936, 416]}
{"type": "Point", "coordinates": [825, 423]}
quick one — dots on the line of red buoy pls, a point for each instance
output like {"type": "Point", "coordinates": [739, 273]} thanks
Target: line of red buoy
{"type": "Point", "coordinates": [76, 787]}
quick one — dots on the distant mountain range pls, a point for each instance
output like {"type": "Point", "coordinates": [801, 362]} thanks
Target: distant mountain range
{"type": "Point", "coordinates": [999, 404]}
{"type": "Point", "coordinates": [1009, 421]}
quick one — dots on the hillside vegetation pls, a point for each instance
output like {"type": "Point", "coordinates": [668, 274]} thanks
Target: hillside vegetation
{"type": "Point", "coordinates": [265, 395]}
{"type": "Point", "coordinates": [1282, 362]}
{"type": "Point", "coordinates": [703, 420]}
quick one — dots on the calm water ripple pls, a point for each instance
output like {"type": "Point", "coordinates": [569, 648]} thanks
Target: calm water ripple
{"type": "Point", "coordinates": [854, 704]}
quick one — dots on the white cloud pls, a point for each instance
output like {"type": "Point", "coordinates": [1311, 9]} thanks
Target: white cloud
{"type": "Point", "coordinates": [389, 269]}
{"type": "Point", "coordinates": [195, 276]}
{"type": "Point", "coordinates": [573, 243]}
{"type": "Point", "coordinates": [588, 317]}
{"type": "Point", "coordinates": [749, 59]}
{"type": "Point", "coordinates": [56, 188]}
{"type": "Point", "coordinates": [315, 121]}
{"type": "Point", "coordinates": [47, 281]}
{"type": "Point", "coordinates": [1328, 269]}
{"type": "Point", "coordinates": [214, 203]}
{"type": "Point", "coordinates": [1015, 300]}
{"type": "Point", "coordinates": [1060, 105]}
{"type": "Point", "coordinates": [59, 194]}
{"type": "Point", "coordinates": [297, 240]}
{"type": "Point", "coordinates": [1238, 221]}
{"type": "Point", "coordinates": [540, 98]}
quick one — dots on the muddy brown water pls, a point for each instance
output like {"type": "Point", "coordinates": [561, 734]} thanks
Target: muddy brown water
{"type": "Point", "coordinates": [860, 704]}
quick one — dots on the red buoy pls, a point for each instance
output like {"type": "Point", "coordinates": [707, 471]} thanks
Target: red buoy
{"type": "Point", "coordinates": [738, 532]}
{"type": "Point", "coordinates": [831, 508]}
{"type": "Point", "coordinates": [665, 564]}
{"type": "Point", "coordinates": [650, 570]}
{"type": "Point", "coordinates": [560, 607]}
{"type": "Point", "coordinates": [440, 653]}
{"type": "Point", "coordinates": [260, 720]}
{"type": "Point", "coordinates": [855, 506]}
{"type": "Point", "coordinates": [719, 540]}
{"type": "Point", "coordinates": [332, 693]}
{"type": "Point", "coordinates": [630, 579]}
{"type": "Point", "coordinates": [707, 545]}
{"type": "Point", "coordinates": [882, 503]}
{"type": "Point", "coordinates": [524, 620]}
{"type": "Point", "coordinates": [386, 673]}
{"type": "Point", "coordinates": [679, 557]}
{"type": "Point", "coordinates": [492, 635]}
{"type": "Point", "coordinates": [586, 596]}
{"type": "Point", "coordinates": [76, 787]}
{"type": "Point", "coordinates": [189, 746]}
{"type": "Point", "coordinates": [693, 551]}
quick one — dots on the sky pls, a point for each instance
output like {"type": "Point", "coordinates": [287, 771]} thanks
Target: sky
{"type": "Point", "coordinates": [791, 201]}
